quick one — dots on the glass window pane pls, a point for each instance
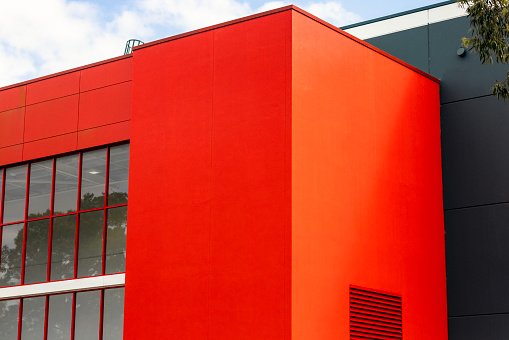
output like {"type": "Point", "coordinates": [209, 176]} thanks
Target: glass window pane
{"type": "Point", "coordinates": [62, 244]}
{"type": "Point", "coordinates": [87, 315]}
{"type": "Point", "coordinates": [39, 198]}
{"type": "Point", "coordinates": [66, 184]}
{"type": "Point", "coordinates": [36, 262]}
{"type": "Point", "coordinates": [32, 323]}
{"type": "Point", "coordinates": [15, 192]}
{"type": "Point", "coordinates": [9, 314]}
{"type": "Point", "coordinates": [93, 179]}
{"type": "Point", "coordinates": [115, 240]}
{"type": "Point", "coordinates": [11, 258]}
{"type": "Point", "coordinates": [60, 317]}
{"type": "Point", "coordinates": [113, 320]}
{"type": "Point", "coordinates": [119, 173]}
{"type": "Point", "coordinates": [90, 243]}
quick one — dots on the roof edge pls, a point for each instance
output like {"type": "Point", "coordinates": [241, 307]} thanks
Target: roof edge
{"type": "Point", "coordinates": [301, 11]}
{"type": "Point", "coordinates": [216, 26]}
{"type": "Point", "coordinates": [395, 15]}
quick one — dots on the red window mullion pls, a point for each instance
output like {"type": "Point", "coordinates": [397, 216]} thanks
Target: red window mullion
{"type": "Point", "coordinates": [76, 241]}
{"type": "Point", "coordinates": [46, 318]}
{"type": "Point", "coordinates": [73, 317]}
{"type": "Point", "coordinates": [20, 318]}
{"type": "Point", "coordinates": [25, 227]}
{"type": "Point", "coordinates": [101, 316]}
{"type": "Point", "coordinates": [105, 224]}
{"type": "Point", "coordinates": [2, 197]}
{"type": "Point", "coordinates": [50, 241]}
{"type": "Point", "coordinates": [105, 227]}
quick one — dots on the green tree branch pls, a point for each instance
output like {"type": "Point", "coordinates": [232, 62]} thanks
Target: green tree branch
{"type": "Point", "coordinates": [489, 27]}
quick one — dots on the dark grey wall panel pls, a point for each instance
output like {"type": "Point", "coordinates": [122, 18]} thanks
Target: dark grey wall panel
{"type": "Point", "coordinates": [489, 327]}
{"type": "Point", "coordinates": [462, 77]}
{"type": "Point", "coordinates": [477, 257]}
{"type": "Point", "coordinates": [410, 46]}
{"type": "Point", "coordinates": [475, 152]}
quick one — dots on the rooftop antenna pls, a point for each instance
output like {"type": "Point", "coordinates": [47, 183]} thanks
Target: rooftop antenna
{"type": "Point", "coordinates": [130, 44]}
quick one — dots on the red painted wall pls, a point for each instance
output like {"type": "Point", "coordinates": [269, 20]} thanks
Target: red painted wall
{"type": "Point", "coordinates": [209, 213]}
{"type": "Point", "coordinates": [72, 110]}
{"type": "Point", "coordinates": [366, 185]}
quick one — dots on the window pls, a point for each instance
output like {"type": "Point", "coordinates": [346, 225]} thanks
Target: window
{"type": "Point", "coordinates": [63, 225]}
{"type": "Point", "coordinates": [86, 315]}
{"type": "Point", "coordinates": [64, 217]}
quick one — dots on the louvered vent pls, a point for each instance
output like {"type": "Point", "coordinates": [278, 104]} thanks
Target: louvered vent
{"type": "Point", "coordinates": [374, 315]}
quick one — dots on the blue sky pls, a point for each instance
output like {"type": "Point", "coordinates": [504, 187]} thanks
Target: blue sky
{"type": "Point", "coordinates": [40, 37]}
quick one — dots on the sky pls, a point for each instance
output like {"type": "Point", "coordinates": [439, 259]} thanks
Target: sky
{"type": "Point", "coordinates": [40, 37]}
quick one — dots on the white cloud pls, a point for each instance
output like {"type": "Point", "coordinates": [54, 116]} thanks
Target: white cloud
{"type": "Point", "coordinates": [43, 37]}
{"type": "Point", "coordinates": [271, 5]}
{"type": "Point", "coordinates": [332, 12]}
{"type": "Point", "coordinates": [192, 14]}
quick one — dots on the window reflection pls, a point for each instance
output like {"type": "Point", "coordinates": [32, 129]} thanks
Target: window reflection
{"type": "Point", "coordinates": [93, 179]}
{"type": "Point", "coordinates": [87, 315]}
{"type": "Point", "coordinates": [113, 320]}
{"type": "Point", "coordinates": [39, 200]}
{"type": "Point", "coordinates": [11, 257]}
{"type": "Point", "coordinates": [118, 174]}
{"type": "Point", "coordinates": [62, 244]}
{"type": "Point", "coordinates": [60, 317]}
{"type": "Point", "coordinates": [116, 240]}
{"type": "Point", "coordinates": [15, 192]}
{"type": "Point", "coordinates": [90, 243]}
{"type": "Point", "coordinates": [32, 326]}
{"type": "Point", "coordinates": [36, 258]}
{"type": "Point", "coordinates": [66, 184]}
{"type": "Point", "coordinates": [9, 314]}
{"type": "Point", "coordinates": [57, 181]}
{"type": "Point", "coordinates": [54, 313]}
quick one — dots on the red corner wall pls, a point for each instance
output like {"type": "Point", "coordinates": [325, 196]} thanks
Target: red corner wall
{"type": "Point", "coordinates": [366, 185]}
{"type": "Point", "coordinates": [275, 161]}
{"type": "Point", "coordinates": [72, 110]}
{"type": "Point", "coordinates": [209, 213]}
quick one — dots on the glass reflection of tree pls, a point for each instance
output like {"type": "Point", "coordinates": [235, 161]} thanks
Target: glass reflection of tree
{"type": "Point", "coordinates": [90, 240]}
{"type": "Point", "coordinates": [10, 262]}
{"type": "Point", "coordinates": [116, 240]}
{"type": "Point", "coordinates": [9, 311]}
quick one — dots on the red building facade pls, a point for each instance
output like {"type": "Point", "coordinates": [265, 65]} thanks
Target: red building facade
{"type": "Point", "coordinates": [284, 182]}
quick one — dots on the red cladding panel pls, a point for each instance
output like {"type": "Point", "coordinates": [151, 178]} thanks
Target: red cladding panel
{"type": "Point", "coordinates": [115, 72]}
{"type": "Point", "coordinates": [207, 178]}
{"type": "Point", "coordinates": [104, 135]}
{"type": "Point", "coordinates": [50, 146]}
{"type": "Point", "coordinates": [104, 106]}
{"type": "Point", "coordinates": [51, 118]}
{"type": "Point", "coordinates": [11, 154]}
{"type": "Point", "coordinates": [12, 123]}
{"type": "Point", "coordinates": [51, 88]}
{"type": "Point", "coordinates": [249, 139]}
{"type": "Point", "coordinates": [12, 98]}
{"type": "Point", "coordinates": [366, 186]}
{"type": "Point", "coordinates": [169, 191]}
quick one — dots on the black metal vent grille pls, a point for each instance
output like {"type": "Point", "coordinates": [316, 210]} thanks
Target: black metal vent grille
{"type": "Point", "coordinates": [374, 315]}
